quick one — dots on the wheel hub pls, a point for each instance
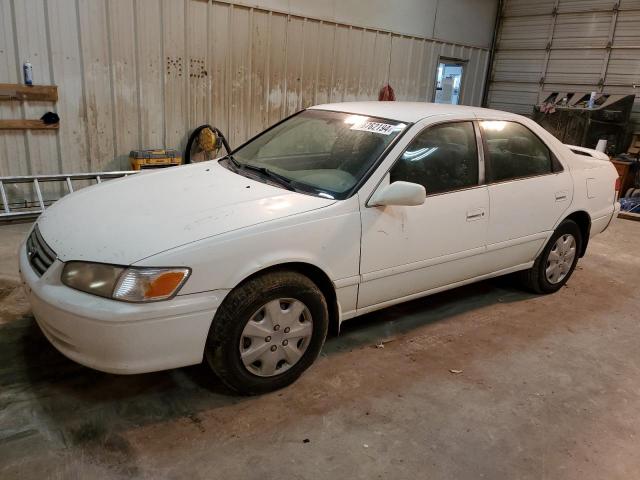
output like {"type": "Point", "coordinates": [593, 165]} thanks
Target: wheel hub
{"type": "Point", "coordinates": [560, 258]}
{"type": "Point", "coordinates": [275, 337]}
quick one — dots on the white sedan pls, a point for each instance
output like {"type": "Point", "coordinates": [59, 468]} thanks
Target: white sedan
{"type": "Point", "coordinates": [334, 212]}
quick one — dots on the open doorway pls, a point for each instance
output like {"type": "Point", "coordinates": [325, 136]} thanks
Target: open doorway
{"type": "Point", "coordinates": [448, 86]}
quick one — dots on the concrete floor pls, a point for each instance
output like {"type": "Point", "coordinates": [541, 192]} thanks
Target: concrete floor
{"type": "Point", "coordinates": [550, 388]}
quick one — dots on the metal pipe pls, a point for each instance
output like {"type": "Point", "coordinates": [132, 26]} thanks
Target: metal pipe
{"type": "Point", "coordinates": [38, 193]}
{"type": "Point", "coordinates": [492, 52]}
{"type": "Point", "coordinates": [63, 176]}
{"type": "Point", "coordinates": [5, 202]}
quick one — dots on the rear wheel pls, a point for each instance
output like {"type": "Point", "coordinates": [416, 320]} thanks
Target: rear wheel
{"type": "Point", "coordinates": [554, 266]}
{"type": "Point", "coordinates": [267, 332]}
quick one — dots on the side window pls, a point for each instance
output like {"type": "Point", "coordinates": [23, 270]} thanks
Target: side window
{"type": "Point", "coordinates": [442, 158]}
{"type": "Point", "coordinates": [514, 151]}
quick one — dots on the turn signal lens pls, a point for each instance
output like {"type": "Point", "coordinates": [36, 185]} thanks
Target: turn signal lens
{"type": "Point", "coordinates": [164, 285]}
{"type": "Point", "coordinates": [150, 284]}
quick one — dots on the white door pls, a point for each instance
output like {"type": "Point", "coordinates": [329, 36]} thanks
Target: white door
{"type": "Point", "coordinates": [410, 250]}
{"type": "Point", "coordinates": [448, 84]}
{"type": "Point", "coordinates": [528, 191]}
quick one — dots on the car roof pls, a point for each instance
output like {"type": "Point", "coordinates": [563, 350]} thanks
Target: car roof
{"type": "Point", "coordinates": [408, 111]}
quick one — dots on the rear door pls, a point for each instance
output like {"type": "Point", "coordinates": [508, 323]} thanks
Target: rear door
{"type": "Point", "coordinates": [528, 190]}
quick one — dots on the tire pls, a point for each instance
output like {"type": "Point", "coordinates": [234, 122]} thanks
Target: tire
{"type": "Point", "coordinates": [231, 337]}
{"type": "Point", "coordinates": [536, 279]}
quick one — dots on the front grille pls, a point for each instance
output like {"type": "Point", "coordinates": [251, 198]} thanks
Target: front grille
{"type": "Point", "coordinates": [40, 254]}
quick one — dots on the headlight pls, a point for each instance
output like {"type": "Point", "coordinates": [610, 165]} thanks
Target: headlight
{"type": "Point", "coordinates": [96, 278]}
{"type": "Point", "coordinates": [133, 284]}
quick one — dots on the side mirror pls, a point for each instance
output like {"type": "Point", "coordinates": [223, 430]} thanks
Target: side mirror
{"type": "Point", "coordinates": [401, 194]}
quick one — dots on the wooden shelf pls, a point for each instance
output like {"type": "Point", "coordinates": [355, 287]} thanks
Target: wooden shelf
{"type": "Point", "coordinates": [20, 92]}
{"type": "Point", "coordinates": [27, 125]}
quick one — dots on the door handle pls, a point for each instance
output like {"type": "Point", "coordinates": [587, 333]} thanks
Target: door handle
{"type": "Point", "coordinates": [476, 214]}
{"type": "Point", "coordinates": [561, 196]}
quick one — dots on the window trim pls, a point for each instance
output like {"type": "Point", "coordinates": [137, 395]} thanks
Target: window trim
{"type": "Point", "coordinates": [553, 159]}
{"type": "Point", "coordinates": [479, 157]}
{"type": "Point", "coordinates": [482, 168]}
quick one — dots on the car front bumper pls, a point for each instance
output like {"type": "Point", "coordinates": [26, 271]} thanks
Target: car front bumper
{"type": "Point", "coordinates": [114, 336]}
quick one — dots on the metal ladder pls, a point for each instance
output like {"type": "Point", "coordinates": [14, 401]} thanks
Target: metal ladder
{"type": "Point", "coordinates": [27, 211]}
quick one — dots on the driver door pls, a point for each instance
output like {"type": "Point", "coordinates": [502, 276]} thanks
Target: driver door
{"type": "Point", "coordinates": [410, 250]}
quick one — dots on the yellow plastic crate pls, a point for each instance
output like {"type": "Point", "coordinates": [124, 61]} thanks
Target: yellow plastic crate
{"type": "Point", "coordinates": [142, 159]}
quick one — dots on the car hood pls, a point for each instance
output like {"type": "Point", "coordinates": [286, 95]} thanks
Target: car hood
{"type": "Point", "coordinates": [126, 220]}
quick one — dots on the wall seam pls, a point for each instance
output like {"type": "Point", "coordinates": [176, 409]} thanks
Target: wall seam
{"type": "Point", "coordinates": [163, 63]}
{"type": "Point", "coordinates": [47, 28]}
{"type": "Point", "coordinates": [84, 86]}
{"type": "Point", "coordinates": [136, 52]}
{"type": "Point", "coordinates": [25, 135]}
{"type": "Point", "coordinates": [114, 120]}
{"type": "Point", "coordinates": [267, 73]}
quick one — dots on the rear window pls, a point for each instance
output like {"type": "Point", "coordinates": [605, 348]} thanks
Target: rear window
{"type": "Point", "coordinates": [514, 151]}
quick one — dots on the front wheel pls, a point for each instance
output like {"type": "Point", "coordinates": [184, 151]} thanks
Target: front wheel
{"type": "Point", "coordinates": [554, 266]}
{"type": "Point", "coordinates": [267, 332]}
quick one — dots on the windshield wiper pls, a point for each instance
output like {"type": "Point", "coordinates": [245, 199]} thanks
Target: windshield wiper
{"type": "Point", "coordinates": [284, 181]}
{"type": "Point", "coordinates": [232, 159]}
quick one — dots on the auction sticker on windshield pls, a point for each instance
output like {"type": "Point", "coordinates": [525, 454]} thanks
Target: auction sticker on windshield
{"type": "Point", "coordinates": [375, 127]}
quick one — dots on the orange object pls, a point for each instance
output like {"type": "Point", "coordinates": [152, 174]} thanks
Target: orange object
{"type": "Point", "coordinates": [625, 175]}
{"type": "Point", "coordinates": [164, 285]}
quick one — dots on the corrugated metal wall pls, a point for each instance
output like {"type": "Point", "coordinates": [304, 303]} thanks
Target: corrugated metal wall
{"type": "Point", "coordinates": [565, 45]}
{"type": "Point", "coordinates": [141, 73]}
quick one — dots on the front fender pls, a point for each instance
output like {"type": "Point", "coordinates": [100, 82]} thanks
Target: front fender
{"type": "Point", "coordinates": [328, 239]}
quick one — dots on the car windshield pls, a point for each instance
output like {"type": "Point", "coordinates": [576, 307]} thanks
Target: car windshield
{"type": "Point", "coordinates": [320, 152]}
